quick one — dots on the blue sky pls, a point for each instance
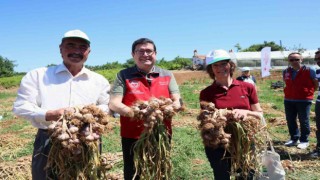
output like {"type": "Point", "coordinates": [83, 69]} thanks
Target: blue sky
{"type": "Point", "coordinates": [31, 30]}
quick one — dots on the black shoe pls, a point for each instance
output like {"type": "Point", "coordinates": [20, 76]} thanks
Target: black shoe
{"type": "Point", "coordinates": [315, 154]}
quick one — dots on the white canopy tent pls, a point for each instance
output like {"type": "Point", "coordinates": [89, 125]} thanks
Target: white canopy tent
{"type": "Point", "coordinates": [274, 55]}
{"type": "Point", "coordinates": [243, 58]}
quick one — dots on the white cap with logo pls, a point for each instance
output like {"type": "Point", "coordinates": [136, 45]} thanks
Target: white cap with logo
{"type": "Point", "coordinates": [76, 34]}
{"type": "Point", "coordinates": [245, 69]}
{"type": "Point", "coordinates": [216, 56]}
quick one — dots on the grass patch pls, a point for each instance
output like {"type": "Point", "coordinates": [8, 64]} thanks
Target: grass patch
{"type": "Point", "coordinates": [267, 95]}
{"type": "Point", "coordinates": [190, 92]}
{"type": "Point", "coordinates": [188, 157]}
{"type": "Point", "coordinates": [6, 95]}
{"type": "Point", "coordinates": [26, 150]}
{"type": "Point", "coordinates": [13, 81]}
{"type": "Point", "coordinates": [14, 127]}
{"type": "Point", "coordinates": [111, 141]}
{"type": "Point", "coordinates": [109, 74]}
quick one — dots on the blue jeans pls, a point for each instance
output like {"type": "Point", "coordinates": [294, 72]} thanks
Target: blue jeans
{"type": "Point", "coordinates": [302, 110]}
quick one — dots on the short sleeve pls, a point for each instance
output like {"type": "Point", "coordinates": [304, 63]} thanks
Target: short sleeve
{"type": "Point", "coordinates": [118, 87]}
{"type": "Point", "coordinates": [312, 73]}
{"type": "Point", "coordinates": [173, 86]}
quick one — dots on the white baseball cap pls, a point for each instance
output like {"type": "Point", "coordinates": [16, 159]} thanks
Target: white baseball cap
{"type": "Point", "coordinates": [216, 56]}
{"type": "Point", "coordinates": [245, 69]}
{"type": "Point", "coordinates": [76, 34]}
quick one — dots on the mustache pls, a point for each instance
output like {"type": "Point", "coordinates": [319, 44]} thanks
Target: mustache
{"type": "Point", "coordinates": [75, 55]}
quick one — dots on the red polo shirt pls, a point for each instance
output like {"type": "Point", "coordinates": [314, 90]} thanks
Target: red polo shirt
{"type": "Point", "coordinates": [240, 95]}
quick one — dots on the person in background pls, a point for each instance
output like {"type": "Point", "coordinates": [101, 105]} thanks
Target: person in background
{"type": "Point", "coordinates": [46, 93]}
{"type": "Point", "coordinates": [140, 82]}
{"type": "Point", "coordinates": [246, 76]}
{"type": "Point", "coordinates": [226, 92]}
{"type": "Point", "coordinates": [316, 152]}
{"type": "Point", "coordinates": [300, 84]}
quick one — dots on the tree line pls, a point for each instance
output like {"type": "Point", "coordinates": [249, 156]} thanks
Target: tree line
{"type": "Point", "coordinates": [7, 66]}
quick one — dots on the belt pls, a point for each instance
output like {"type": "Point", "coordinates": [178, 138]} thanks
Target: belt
{"type": "Point", "coordinates": [43, 130]}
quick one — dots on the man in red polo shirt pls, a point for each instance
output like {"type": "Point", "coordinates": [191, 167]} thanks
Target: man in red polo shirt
{"type": "Point", "coordinates": [141, 82]}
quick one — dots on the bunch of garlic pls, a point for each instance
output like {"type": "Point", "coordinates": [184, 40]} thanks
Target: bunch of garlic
{"type": "Point", "coordinates": [212, 124]}
{"type": "Point", "coordinates": [153, 110]}
{"type": "Point", "coordinates": [85, 125]}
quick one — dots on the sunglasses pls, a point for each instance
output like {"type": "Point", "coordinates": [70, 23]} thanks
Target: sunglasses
{"type": "Point", "coordinates": [317, 59]}
{"type": "Point", "coordinates": [291, 60]}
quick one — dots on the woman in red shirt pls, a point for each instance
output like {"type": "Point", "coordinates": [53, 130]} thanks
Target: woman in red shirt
{"type": "Point", "coordinates": [226, 92]}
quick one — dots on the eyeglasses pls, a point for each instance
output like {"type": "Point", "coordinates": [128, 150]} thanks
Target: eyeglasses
{"type": "Point", "coordinates": [291, 60]}
{"type": "Point", "coordinates": [317, 59]}
{"type": "Point", "coordinates": [141, 52]}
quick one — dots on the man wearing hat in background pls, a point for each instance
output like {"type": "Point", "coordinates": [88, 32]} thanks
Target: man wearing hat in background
{"type": "Point", "coordinates": [46, 93]}
{"type": "Point", "coordinates": [246, 76]}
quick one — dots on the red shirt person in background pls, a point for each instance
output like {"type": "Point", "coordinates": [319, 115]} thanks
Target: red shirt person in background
{"type": "Point", "coordinates": [301, 82]}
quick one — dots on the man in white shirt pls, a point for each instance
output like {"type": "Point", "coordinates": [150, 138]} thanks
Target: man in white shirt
{"type": "Point", "coordinates": [46, 93]}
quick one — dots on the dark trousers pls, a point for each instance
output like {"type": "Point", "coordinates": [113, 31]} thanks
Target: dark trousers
{"type": "Point", "coordinates": [302, 110]}
{"type": "Point", "coordinates": [41, 148]}
{"type": "Point", "coordinates": [317, 110]}
{"type": "Point", "coordinates": [128, 163]}
{"type": "Point", "coordinates": [222, 166]}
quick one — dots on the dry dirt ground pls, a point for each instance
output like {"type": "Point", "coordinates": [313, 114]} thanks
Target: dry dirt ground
{"type": "Point", "coordinates": [183, 76]}
{"type": "Point", "coordinates": [295, 160]}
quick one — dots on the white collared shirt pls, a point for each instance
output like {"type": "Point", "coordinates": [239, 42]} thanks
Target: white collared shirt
{"type": "Point", "coordinates": [54, 87]}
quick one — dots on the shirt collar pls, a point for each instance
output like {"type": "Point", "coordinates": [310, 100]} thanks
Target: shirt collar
{"type": "Point", "coordinates": [144, 73]}
{"type": "Point", "coordinates": [62, 68]}
{"type": "Point", "coordinates": [234, 83]}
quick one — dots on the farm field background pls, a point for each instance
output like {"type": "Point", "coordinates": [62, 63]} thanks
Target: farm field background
{"type": "Point", "coordinates": [188, 158]}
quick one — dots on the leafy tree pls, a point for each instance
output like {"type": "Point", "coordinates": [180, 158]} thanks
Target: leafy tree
{"type": "Point", "coordinates": [129, 63]}
{"type": "Point", "coordinates": [107, 66]}
{"type": "Point", "coordinates": [177, 63]}
{"type": "Point", "coordinates": [163, 63]}
{"type": "Point", "coordinates": [51, 65]}
{"type": "Point", "coordinates": [6, 67]}
{"type": "Point", "coordinates": [238, 47]}
{"type": "Point", "coordinates": [183, 62]}
{"type": "Point", "coordinates": [258, 47]}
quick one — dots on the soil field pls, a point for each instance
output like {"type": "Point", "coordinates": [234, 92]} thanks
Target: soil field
{"type": "Point", "coordinates": [183, 76]}
{"type": "Point", "coordinates": [12, 145]}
